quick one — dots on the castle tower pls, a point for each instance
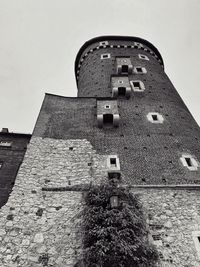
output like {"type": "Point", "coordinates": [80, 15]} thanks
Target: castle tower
{"type": "Point", "coordinates": [129, 122]}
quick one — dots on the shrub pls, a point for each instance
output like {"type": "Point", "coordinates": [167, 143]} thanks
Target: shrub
{"type": "Point", "coordinates": [115, 236]}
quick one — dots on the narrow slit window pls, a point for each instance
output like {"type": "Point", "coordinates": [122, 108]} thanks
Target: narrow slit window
{"type": "Point", "coordinates": [1, 164]}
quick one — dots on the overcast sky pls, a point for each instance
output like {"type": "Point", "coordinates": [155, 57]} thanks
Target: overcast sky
{"type": "Point", "coordinates": [39, 40]}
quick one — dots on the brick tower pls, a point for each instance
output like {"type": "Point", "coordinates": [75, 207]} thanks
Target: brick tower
{"type": "Point", "coordinates": [129, 122]}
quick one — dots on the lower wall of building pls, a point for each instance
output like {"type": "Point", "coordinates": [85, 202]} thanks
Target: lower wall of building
{"type": "Point", "coordinates": [42, 227]}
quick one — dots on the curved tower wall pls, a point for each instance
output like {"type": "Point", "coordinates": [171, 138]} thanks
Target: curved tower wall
{"type": "Point", "coordinates": [151, 151]}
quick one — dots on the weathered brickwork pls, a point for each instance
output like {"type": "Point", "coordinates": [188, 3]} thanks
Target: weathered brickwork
{"type": "Point", "coordinates": [42, 228]}
{"type": "Point", "coordinates": [148, 153]}
{"type": "Point", "coordinates": [11, 158]}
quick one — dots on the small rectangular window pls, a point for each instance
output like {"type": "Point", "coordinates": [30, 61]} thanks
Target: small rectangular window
{"type": "Point", "coordinates": [137, 86]}
{"type": "Point", "coordinates": [105, 56]}
{"type": "Point", "coordinates": [103, 43]}
{"type": "Point", "coordinates": [189, 162]}
{"type": "Point", "coordinates": [140, 70]}
{"type": "Point", "coordinates": [113, 162]}
{"type": "Point", "coordinates": [154, 117]}
{"type": "Point", "coordinates": [143, 57]}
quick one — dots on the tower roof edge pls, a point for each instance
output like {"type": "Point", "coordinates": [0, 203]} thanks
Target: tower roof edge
{"type": "Point", "coordinates": [116, 37]}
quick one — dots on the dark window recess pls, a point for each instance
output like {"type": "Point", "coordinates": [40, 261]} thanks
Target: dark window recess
{"type": "Point", "coordinates": [124, 69]}
{"type": "Point", "coordinates": [198, 238]}
{"type": "Point", "coordinates": [105, 56]}
{"type": "Point", "coordinates": [108, 118]}
{"type": "Point", "coordinates": [121, 91]}
{"type": "Point", "coordinates": [113, 162]}
{"type": "Point", "coordinates": [154, 117]}
{"type": "Point", "coordinates": [71, 148]}
{"type": "Point", "coordinates": [137, 85]}
{"type": "Point", "coordinates": [189, 162]}
{"type": "Point", "coordinates": [139, 69]}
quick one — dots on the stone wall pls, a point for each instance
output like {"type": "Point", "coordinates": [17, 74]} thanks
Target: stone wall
{"type": "Point", "coordinates": [173, 216]}
{"type": "Point", "coordinates": [42, 228]}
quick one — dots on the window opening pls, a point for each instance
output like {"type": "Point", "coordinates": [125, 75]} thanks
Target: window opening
{"type": "Point", "coordinates": [121, 91]}
{"type": "Point", "coordinates": [124, 69]}
{"type": "Point", "coordinates": [139, 69]}
{"type": "Point", "coordinates": [108, 118]}
{"type": "Point", "coordinates": [1, 164]}
{"type": "Point", "coordinates": [137, 85]}
{"type": "Point", "coordinates": [104, 56]}
{"type": "Point", "coordinates": [103, 43]}
{"type": "Point", "coordinates": [154, 117]}
{"type": "Point", "coordinates": [141, 56]}
{"type": "Point", "coordinates": [113, 162]}
{"type": "Point", "coordinates": [189, 163]}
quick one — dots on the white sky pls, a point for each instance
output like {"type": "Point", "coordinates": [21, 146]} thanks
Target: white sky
{"type": "Point", "coordinates": [39, 40]}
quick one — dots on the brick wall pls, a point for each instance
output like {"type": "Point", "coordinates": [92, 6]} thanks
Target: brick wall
{"type": "Point", "coordinates": [11, 158]}
{"type": "Point", "coordinates": [149, 153]}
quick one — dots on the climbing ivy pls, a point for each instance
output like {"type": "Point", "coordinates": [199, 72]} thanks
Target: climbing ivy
{"type": "Point", "coordinates": [115, 237]}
